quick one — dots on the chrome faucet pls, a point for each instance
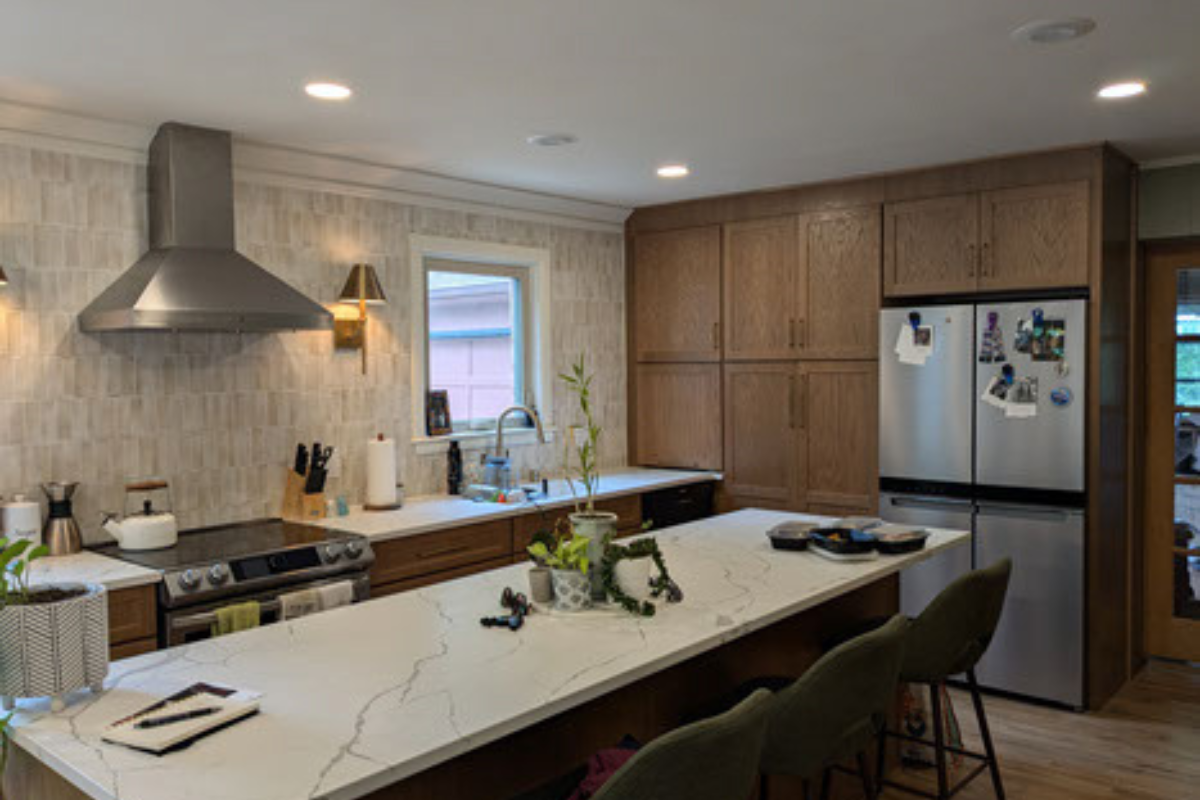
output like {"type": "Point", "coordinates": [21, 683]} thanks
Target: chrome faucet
{"type": "Point", "coordinates": [533, 415]}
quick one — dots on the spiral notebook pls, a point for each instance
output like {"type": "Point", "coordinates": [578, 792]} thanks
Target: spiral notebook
{"type": "Point", "coordinates": [218, 707]}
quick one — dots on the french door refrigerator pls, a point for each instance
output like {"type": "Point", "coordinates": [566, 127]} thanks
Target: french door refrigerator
{"type": "Point", "coordinates": [982, 429]}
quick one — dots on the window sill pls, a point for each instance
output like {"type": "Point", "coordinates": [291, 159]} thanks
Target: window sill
{"type": "Point", "coordinates": [475, 441]}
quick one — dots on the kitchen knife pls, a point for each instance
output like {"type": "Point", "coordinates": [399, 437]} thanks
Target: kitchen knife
{"type": "Point", "coordinates": [301, 459]}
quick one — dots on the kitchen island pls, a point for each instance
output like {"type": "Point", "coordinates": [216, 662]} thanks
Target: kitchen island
{"type": "Point", "coordinates": [409, 697]}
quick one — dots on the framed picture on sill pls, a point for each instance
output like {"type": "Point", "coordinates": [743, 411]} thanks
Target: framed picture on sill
{"type": "Point", "coordinates": [437, 413]}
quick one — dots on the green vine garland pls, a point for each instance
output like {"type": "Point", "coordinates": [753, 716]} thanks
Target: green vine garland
{"type": "Point", "coordinates": [642, 548]}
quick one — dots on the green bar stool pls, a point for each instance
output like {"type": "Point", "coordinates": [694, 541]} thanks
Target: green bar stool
{"type": "Point", "coordinates": [949, 638]}
{"type": "Point", "coordinates": [714, 759]}
{"type": "Point", "coordinates": [835, 710]}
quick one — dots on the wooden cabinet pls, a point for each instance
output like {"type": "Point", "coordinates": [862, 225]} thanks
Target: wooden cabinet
{"type": "Point", "coordinates": [132, 621]}
{"type": "Point", "coordinates": [677, 295]}
{"type": "Point", "coordinates": [763, 453]}
{"type": "Point", "coordinates": [440, 551]}
{"type": "Point", "coordinates": [1035, 237]}
{"type": "Point", "coordinates": [839, 417]}
{"type": "Point", "coordinates": [678, 415]}
{"type": "Point", "coordinates": [760, 295]}
{"type": "Point", "coordinates": [407, 584]}
{"type": "Point", "coordinates": [838, 277]}
{"type": "Point", "coordinates": [931, 247]}
{"type": "Point", "coordinates": [629, 520]}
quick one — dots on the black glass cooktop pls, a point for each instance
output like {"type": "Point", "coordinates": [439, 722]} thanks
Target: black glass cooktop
{"type": "Point", "coordinates": [226, 543]}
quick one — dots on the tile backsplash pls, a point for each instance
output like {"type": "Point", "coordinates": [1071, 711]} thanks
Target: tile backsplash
{"type": "Point", "coordinates": [219, 415]}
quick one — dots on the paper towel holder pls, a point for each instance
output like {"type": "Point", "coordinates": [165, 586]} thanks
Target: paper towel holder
{"type": "Point", "coordinates": [394, 506]}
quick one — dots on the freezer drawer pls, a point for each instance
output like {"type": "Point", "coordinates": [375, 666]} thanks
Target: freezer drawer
{"type": "Point", "coordinates": [1038, 648]}
{"type": "Point", "coordinates": [925, 411]}
{"type": "Point", "coordinates": [922, 582]}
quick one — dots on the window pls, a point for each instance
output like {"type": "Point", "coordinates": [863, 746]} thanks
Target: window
{"type": "Point", "coordinates": [478, 338]}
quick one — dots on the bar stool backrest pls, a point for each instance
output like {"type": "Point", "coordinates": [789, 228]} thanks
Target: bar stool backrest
{"type": "Point", "coordinates": [714, 759]}
{"type": "Point", "coordinates": [839, 702]}
{"type": "Point", "coordinates": [955, 629]}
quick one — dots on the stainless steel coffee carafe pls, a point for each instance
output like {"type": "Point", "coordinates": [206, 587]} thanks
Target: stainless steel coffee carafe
{"type": "Point", "coordinates": [61, 533]}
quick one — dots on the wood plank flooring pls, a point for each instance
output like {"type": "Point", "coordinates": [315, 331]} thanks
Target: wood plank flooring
{"type": "Point", "coordinates": [1144, 745]}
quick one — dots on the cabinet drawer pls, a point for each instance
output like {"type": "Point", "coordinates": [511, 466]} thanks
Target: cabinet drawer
{"type": "Point", "coordinates": [440, 551]}
{"type": "Point", "coordinates": [131, 615]}
{"type": "Point", "coordinates": [130, 649]}
{"type": "Point", "coordinates": [628, 510]}
{"type": "Point", "coordinates": [395, 587]}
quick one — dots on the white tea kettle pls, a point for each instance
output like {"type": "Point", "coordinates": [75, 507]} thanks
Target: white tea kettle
{"type": "Point", "coordinates": [148, 529]}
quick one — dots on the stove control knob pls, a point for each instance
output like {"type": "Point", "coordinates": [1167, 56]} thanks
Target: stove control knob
{"type": "Point", "coordinates": [189, 579]}
{"type": "Point", "coordinates": [353, 550]}
{"type": "Point", "coordinates": [333, 552]}
{"type": "Point", "coordinates": [217, 574]}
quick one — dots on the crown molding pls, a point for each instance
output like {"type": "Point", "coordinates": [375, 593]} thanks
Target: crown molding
{"type": "Point", "coordinates": [274, 164]}
{"type": "Point", "coordinates": [1167, 163]}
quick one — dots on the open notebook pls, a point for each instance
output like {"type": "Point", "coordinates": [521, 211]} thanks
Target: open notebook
{"type": "Point", "coordinates": [213, 708]}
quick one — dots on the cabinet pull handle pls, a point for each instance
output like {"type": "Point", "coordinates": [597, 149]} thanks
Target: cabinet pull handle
{"type": "Point", "coordinates": [972, 259]}
{"type": "Point", "coordinates": [803, 415]}
{"type": "Point", "coordinates": [986, 268]}
{"type": "Point", "coordinates": [716, 336]}
{"type": "Point", "coordinates": [791, 334]}
{"type": "Point", "coordinates": [792, 402]}
{"type": "Point", "coordinates": [443, 551]}
{"type": "Point", "coordinates": [801, 333]}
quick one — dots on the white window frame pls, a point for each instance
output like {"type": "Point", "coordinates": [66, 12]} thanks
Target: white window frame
{"type": "Point", "coordinates": [503, 259]}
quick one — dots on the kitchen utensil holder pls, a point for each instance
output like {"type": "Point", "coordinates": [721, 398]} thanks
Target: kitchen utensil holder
{"type": "Point", "coordinates": [312, 506]}
{"type": "Point", "coordinates": [293, 496]}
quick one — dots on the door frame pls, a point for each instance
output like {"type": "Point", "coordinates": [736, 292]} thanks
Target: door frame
{"type": "Point", "coordinates": [1166, 636]}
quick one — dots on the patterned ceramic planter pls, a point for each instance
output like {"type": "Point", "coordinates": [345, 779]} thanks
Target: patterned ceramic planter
{"type": "Point", "coordinates": [51, 649]}
{"type": "Point", "coordinates": [572, 590]}
{"type": "Point", "coordinates": [600, 527]}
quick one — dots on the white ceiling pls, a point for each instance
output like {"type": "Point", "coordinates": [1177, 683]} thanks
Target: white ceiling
{"type": "Point", "coordinates": [751, 93]}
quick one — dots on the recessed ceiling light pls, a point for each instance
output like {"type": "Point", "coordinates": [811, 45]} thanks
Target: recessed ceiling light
{"type": "Point", "coordinates": [328, 91]}
{"type": "Point", "coordinates": [1116, 91]}
{"type": "Point", "coordinates": [673, 171]}
{"type": "Point", "coordinates": [552, 139]}
{"type": "Point", "coordinates": [1054, 31]}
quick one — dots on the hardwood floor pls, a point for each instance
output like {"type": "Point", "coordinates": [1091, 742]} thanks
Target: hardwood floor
{"type": "Point", "coordinates": [1144, 744]}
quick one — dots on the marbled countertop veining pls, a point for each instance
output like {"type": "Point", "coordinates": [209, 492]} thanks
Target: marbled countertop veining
{"type": "Point", "coordinates": [361, 697]}
{"type": "Point", "coordinates": [89, 567]}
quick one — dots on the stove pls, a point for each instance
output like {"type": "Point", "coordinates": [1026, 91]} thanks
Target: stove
{"type": "Point", "coordinates": [230, 561]}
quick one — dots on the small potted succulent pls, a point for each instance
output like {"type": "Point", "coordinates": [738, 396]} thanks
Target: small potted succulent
{"type": "Point", "coordinates": [569, 565]}
{"type": "Point", "coordinates": [53, 638]}
{"type": "Point", "coordinates": [599, 527]}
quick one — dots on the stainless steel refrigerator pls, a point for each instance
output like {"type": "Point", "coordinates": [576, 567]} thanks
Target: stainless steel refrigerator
{"type": "Point", "coordinates": [982, 429]}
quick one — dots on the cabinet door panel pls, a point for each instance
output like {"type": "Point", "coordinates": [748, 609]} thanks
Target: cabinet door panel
{"type": "Point", "coordinates": [679, 415]}
{"type": "Point", "coordinates": [1035, 237]}
{"type": "Point", "coordinates": [931, 246]}
{"type": "Point", "coordinates": [840, 423]}
{"type": "Point", "coordinates": [677, 295]}
{"type": "Point", "coordinates": [840, 260]}
{"type": "Point", "coordinates": [760, 290]}
{"type": "Point", "coordinates": [762, 452]}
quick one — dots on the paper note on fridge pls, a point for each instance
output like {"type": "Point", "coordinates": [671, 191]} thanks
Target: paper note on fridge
{"type": "Point", "coordinates": [1020, 410]}
{"type": "Point", "coordinates": [915, 345]}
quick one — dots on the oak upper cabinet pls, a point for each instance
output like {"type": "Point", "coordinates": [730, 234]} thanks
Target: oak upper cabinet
{"type": "Point", "coordinates": [931, 246]}
{"type": "Point", "coordinates": [760, 299]}
{"type": "Point", "coordinates": [1035, 237]}
{"type": "Point", "coordinates": [838, 417]}
{"type": "Point", "coordinates": [677, 295]}
{"type": "Point", "coordinates": [763, 456]}
{"type": "Point", "coordinates": [679, 415]}
{"type": "Point", "coordinates": [838, 276]}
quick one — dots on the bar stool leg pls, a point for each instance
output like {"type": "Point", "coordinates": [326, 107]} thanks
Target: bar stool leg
{"type": "Point", "coordinates": [865, 774]}
{"type": "Point", "coordinates": [881, 757]}
{"type": "Point", "coordinates": [986, 734]}
{"type": "Point", "coordinates": [939, 740]}
{"type": "Point", "coordinates": [826, 783]}
{"type": "Point", "coordinates": [805, 789]}
{"type": "Point", "coordinates": [762, 787]}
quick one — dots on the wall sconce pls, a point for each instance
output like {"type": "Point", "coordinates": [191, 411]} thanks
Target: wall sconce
{"type": "Point", "coordinates": [3, 277]}
{"type": "Point", "coordinates": [362, 288]}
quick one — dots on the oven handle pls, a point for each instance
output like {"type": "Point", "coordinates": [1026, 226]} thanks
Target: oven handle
{"type": "Point", "coordinates": [210, 617]}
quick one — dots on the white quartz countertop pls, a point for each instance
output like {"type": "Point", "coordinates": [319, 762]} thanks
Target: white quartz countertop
{"type": "Point", "coordinates": [361, 697]}
{"type": "Point", "coordinates": [439, 512]}
{"type": "Point", "coordinates": [89, 567]}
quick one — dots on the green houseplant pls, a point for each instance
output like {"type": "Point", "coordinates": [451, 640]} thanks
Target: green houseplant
{"type": "Point", "coordinates": [569, 562]}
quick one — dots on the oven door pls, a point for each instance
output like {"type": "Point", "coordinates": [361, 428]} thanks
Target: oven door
{"type": "Point", "coordinates": [194, 623]}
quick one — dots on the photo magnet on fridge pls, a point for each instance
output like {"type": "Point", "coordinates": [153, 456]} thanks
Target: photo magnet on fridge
{"type": "Point", "coordinates": [991, 347]}
{"type": "Point", "coordinates": [1049, 341]}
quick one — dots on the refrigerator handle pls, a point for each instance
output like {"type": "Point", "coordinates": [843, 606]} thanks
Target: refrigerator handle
{"type": "Point", "coordinates": [930, 502]}
{"type": "Point", "coordinates": [1013, 510]}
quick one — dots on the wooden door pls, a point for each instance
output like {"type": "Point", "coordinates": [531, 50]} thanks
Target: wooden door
{"type": "Point", "coordinates": [677, 295]}
{"type": "Point", "coordinates": [839, 419]}
{"type": "Point", "coordinates": [762, 434]}
{"type": "Point", "coordinates": [931, 247]}
{"type": "Point", "coordinates": [1035, 237]}
{"type": "Point", "coordinates": [760, 296]}
{"type": "Point", "coordinates": [840, 259]}
{"type": "Point", "coordinates": [1172, 470]}
{"type": "Point", "coordinates": [679, 415]}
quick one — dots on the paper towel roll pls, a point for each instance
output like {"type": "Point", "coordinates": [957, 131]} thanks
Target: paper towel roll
{"type": "Point", "coordinates": [381, 472]}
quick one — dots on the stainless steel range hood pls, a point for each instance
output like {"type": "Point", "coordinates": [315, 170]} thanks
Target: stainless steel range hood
{"type": "Point", "coordinates": [192, 278]}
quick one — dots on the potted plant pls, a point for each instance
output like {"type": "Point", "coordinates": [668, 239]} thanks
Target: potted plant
{"type": "Point", "coordinates": [625, 574]}
{"type": "Point", "coordinates": [599, 527]}
{"type": "Point", "coordinates": [569, 564]}
{"type": "Point", "coordinates": [541, 588]}
{"type": "Point", "coordinates": [54, 638]}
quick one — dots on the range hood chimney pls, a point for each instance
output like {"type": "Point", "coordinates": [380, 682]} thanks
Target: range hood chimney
{"type": "Point", "coordinates": [192, 278]}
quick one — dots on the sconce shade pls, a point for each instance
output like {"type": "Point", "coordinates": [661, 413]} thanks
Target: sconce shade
{"type": "Point", "coordinates": [3, 277]}
{"type": "Point", "coordinates": [363, 284]}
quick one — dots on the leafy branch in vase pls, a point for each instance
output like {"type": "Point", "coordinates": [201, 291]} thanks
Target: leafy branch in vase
{"type": "Point", "coordinates": [579, 383]}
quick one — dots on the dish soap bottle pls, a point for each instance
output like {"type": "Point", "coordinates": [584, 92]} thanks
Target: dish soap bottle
{"type": "Point", "coordinates": [454, 468]}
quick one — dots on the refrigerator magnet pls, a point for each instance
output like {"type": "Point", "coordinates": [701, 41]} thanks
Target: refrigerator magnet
{"type": "Point", "coordinates": [1061, 396]}
{"type": "Point", "coordinates": [991, 346]}
{"type": "Point", "coordinates": [1023, 340]}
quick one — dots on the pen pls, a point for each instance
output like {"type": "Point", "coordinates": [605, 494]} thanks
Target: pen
{"type": "Point", "coordinates": [170, 719]}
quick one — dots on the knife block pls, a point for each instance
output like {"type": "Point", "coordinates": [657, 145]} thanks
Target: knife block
{"type": "Point", "coordinates": [312, 506]}
{"type": "Point", "coordinates": [293, 496]}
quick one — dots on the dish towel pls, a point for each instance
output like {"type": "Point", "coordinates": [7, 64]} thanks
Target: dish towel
{"type": "Point", "coordinates": [336, 595]}
{"type": "Point", "coordinates": [240, 617]}
{"type": "Point", "coordinates": [294, 605]}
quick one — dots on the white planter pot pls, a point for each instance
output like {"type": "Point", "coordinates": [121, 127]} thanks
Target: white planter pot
{"type": "Point", "coordinates": [600, 527]}
{"type": "Point", "coordinates": [51, 649]}
{"type": "Point", "coordinates": [572, 590]}
{"type": "Point", "coordinates": [633, 577]}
